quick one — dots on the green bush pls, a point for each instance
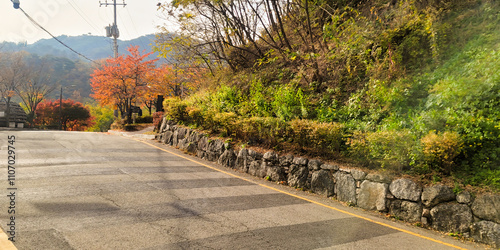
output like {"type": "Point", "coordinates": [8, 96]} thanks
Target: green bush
{"type": "Point", "coordinates": [196, 116]}
{"type": "Point", "coordinates": [225, 122]}
{"type": "Point", "coordinates": [290, 103]}
{"type": "Point", "coordinates": [175, 109]}
{"type": "Point", "coordinates": [319, 135]}
{"type": "Point", "coordinates": [480, 177]}
{"type": "Point", "coordinates": [392, 150]}
{"type": "Point", "coordinates": [440, 150]}
{"type": "Point", "coordinates": [225, 99]}
{"type": "Point", "coordinates": [266, 130]}
{"type": "Point", "coordinates": [359, 149]}
{"type": "Point", "coordinates": [481, 137]}
{"type": "Point", "coordinates": [258, 100]}
{"type": "Point", "coordinates": [103, 118]}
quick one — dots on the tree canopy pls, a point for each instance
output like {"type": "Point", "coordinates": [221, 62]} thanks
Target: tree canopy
{"type": "Point", "coordinates": [123, 81]}
{"type": "Point", "coordinates": [71, 115]}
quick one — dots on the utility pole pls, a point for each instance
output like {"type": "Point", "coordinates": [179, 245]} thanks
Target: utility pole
{"type": "Point", "coordinates": [112, 30]}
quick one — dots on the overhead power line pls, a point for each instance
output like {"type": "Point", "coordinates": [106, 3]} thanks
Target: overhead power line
{"type": "Point", "coordinates": [136, 30]}
{"type": "Point", "coordinates": [82, 14]}
{"type": "Point", "coordinates": [41, 27]}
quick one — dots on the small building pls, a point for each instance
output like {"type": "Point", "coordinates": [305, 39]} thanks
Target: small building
{"type": "Point", "coordinates": [17, 117]}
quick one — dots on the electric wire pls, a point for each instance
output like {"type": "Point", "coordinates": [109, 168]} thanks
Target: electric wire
{"type": "Point", "coordinates": [82, 15]}
{"type": "Point", "coordinates": [40, 26]}
{"type": "Point", "coordinates": [125, 26]}
{"type": "Point", "coordinates": [132, 21]}
{"type": "Point", "coordinates": [135, 28]}
{"type": "Point", "coordinates": [130, 34]}
{"type": "Point", "coordinates": [139, 41]}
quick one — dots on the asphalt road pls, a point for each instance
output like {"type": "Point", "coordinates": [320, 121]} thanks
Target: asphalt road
{"type": "Point", "coordinates": [100, 191]}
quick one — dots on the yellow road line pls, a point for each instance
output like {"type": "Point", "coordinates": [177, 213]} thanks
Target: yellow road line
{"type": "Point", "coordinates": [5, 243]}
{"type": "Point", "coordinates": [305, 199]}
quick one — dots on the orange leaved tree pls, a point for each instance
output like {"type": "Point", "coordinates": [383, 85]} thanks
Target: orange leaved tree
{"type": "Point", "coordinates": [123, 80]}
{"type": "Point", "coordinates": [160, 83]}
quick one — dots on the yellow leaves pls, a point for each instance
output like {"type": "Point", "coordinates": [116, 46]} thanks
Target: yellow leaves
{"type": "Point", "coordinates": [428, 29]}
{"type": "Point", "coordinates": [442, 148]}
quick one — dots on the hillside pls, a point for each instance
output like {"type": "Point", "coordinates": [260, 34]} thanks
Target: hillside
{"type": "Point", "coordinates": [408, 87]}
{"type": "Point", "coordinates": [93, 47]}
{"type": "Point", "coordinates": [67, 68]}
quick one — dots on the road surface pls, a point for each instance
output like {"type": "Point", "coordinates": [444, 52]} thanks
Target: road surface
{"type": "Point", "coordinates": [74, 190]}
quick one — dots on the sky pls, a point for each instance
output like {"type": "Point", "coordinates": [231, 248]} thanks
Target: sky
{"type": "Point", "coordinates": [77, 17]}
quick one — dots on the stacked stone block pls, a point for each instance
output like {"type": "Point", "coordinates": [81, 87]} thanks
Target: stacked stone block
{"type": "Point", "coordinates": [437, 206]}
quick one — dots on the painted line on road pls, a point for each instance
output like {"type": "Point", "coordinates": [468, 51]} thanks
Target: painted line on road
{"type": "Point", "coordinates": [5, 243]}
{"type": "Point", "coordinates": [302, 198]}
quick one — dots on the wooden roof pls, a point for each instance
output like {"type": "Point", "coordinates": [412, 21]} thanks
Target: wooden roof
{"type": "Point", "coordinates": [17, 113]}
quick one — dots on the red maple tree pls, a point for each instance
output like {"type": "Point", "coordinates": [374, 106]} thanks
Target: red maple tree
{"type": "Point", "coordinates": [123, 81]}
{"type": "Point", "coordinates": [71, 115]}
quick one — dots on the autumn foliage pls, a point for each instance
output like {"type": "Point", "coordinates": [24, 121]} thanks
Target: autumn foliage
{"type": "Point", "coordinates": [124, 81]}
{"type": "Point", "coordinates": [73, 116]}
{"type": "Point", "coordinates": [133, 80]}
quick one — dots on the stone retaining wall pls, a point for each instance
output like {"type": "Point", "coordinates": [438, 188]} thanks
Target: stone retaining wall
{"type": "Point", "coordinates": [436, 207]}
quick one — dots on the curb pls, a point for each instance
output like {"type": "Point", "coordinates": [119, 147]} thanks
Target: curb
{"type": "Point", "coordinates": [132, 134]}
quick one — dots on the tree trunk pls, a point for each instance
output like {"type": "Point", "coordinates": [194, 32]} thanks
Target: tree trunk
{"type": "Point", "coordinates": [129, 111]}
{"type": "Point", "coordinates": [280, 22]}
{"type": "Point", "coordinates": [7, 111]}
{"type": "Point", "coordinates": [30, 118]}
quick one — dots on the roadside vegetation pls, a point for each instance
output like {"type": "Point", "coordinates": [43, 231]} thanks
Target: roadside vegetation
{"type": "Point", "coordinates": [41, 84]}
{"type": "Point", "coordinates": [406, 86]}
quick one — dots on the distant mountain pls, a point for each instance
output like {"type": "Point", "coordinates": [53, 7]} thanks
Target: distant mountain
{"type": "Point", "coordinates": [93, 47]}
{"type": "Point", "coordinates": [68, 69]}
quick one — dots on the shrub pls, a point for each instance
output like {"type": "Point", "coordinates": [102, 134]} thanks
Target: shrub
{"type": "Point", "coordinates": [359, 148]}
{"type": "Point", "coordinates": [259, 104]}
{"type": "Point", "coordinates": [225, 99]}
{"type": "Point", "coordinates": [175, 109]}
{"type": "Point", "coordinates": [268, 130]}
{"type": "Point", "coordinates": [481, 139]}
{"type": "Point", "coordinates": [225, 121]}
{"type": "Point", "coordinates": [103, 118]}
{"type": "Point", "coordinates": [300, 131]}
{"type": "Point", "coordinates": [130, 127]}
{"type": "Point", "coordinates": [144, 119]}
{"type": "Point", "coordinates": [386, 149]}
{"type": "Point", "coordinates": [195, 116]}
{"type": "Point", "coordinates": [157, 119]}
{"type": "Point", "coordinates": [441, 149]}
{"type": "Point", "coordinates": [327, 135]}
{"type": "Point", "coordinates": [71, 115]}
{"type": "Point", "coordinates": [290, 103]}
{"type": "Point", "coordinates": [314, 134]}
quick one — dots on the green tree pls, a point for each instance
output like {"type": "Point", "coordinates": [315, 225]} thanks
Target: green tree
{"type": "Point", "coordinates": [103, 118]}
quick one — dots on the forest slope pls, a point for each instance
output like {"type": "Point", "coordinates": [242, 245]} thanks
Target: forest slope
{"type": "Point", "coordinates": [403, 86]}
